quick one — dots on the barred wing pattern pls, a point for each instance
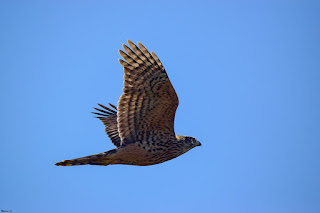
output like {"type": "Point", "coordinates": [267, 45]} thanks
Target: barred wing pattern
{"type": "Point", "coordinates": [148, 104]}
{"type": "Point", "coordinates": [109, 119]}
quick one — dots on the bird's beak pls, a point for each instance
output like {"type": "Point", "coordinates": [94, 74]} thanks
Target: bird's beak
{"type": "Point", "coordinates": [199, 144]}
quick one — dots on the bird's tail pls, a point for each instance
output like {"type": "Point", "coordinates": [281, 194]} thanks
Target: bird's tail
{"type": "Point", "coordinates": [102, 159]}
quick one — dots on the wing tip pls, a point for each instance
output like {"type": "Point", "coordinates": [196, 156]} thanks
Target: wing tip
{"type": "Point", "coordinates": [129, 42]}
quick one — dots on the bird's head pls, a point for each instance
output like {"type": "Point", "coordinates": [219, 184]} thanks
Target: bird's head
{"type": "Point", "coordinates": [187, 142]}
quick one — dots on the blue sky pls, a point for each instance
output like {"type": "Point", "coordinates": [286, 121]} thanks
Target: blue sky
{"type": "Point", "coordinates": [247, 75]}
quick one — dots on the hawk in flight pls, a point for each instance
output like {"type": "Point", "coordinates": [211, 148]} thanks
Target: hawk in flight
{"type": "Point", "coordinates": [142, 125]}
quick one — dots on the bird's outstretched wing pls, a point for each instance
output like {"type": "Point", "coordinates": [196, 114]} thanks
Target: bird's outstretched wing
{"type": "Point", "coordinates": [148, 104]}
{"type": "Point", "coordinates": [109, 118]}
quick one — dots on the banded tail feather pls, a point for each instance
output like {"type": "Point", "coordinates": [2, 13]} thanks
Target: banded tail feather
{"type": "Point", "coordinates": [102, 159]}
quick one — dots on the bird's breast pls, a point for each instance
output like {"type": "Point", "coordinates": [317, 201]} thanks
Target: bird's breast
{"type": "Point", "coordinates": [144, 154]}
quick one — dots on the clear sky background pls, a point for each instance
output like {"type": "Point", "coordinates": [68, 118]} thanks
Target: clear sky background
{"type": "Point", "coordinates": [247, 74]}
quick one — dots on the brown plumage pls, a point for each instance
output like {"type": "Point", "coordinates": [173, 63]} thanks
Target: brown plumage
{"type": "Point", "coordinates": [142, 126]}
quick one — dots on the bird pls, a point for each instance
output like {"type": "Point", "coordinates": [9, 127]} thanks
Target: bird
{"type": "Point", "coordinates": [141, 126]}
